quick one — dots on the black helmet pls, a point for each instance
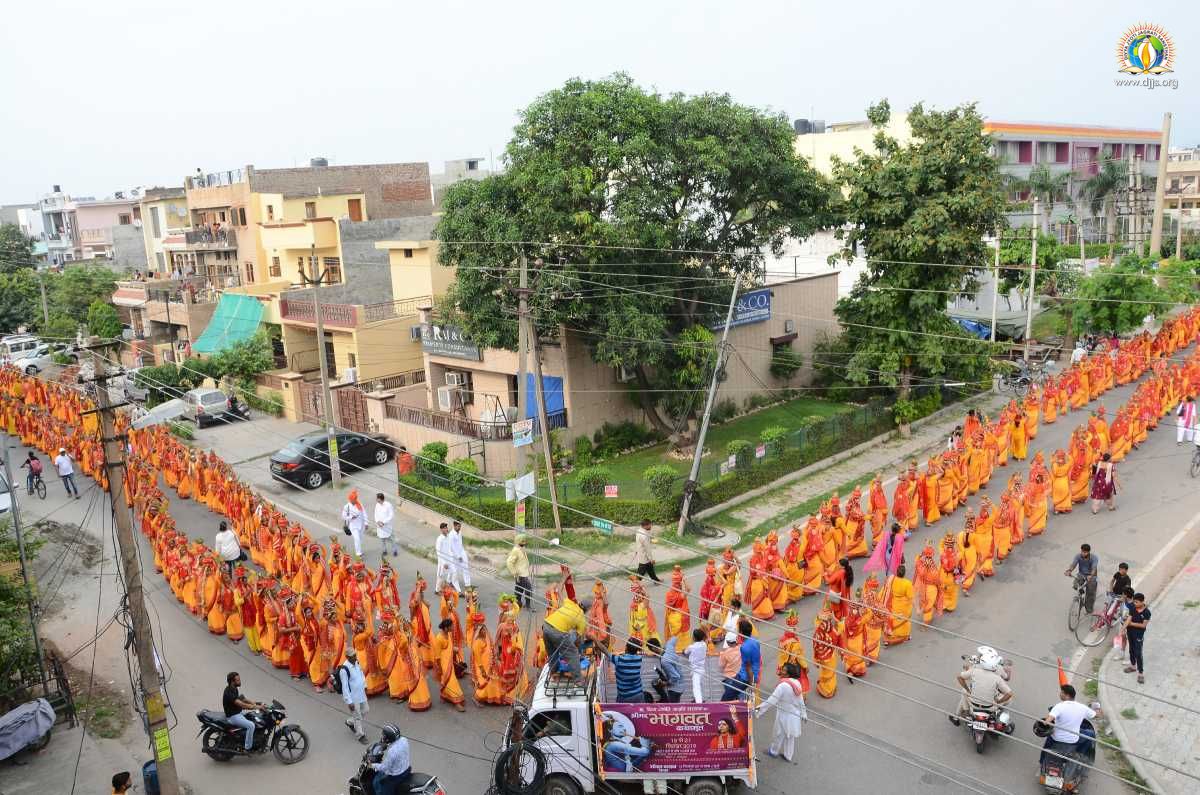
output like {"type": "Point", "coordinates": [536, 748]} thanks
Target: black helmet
{"type": "Point", "coordinates": [1042, 729]}
{"type": "Point", "coordinates": [391, 733]}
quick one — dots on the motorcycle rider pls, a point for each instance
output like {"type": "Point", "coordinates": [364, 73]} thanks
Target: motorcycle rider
{"type": "Point", "coordinates": [1067, 717]}
{"type": "Point", "coordinates": [395, 769]}
{"type": "Point", "coordinates": [236, 707]}
{"type": "Point", "coordinates": [984, 681]}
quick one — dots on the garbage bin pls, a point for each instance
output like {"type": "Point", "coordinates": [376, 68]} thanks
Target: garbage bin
{"type": "Point", "coordinates": [150, 778]}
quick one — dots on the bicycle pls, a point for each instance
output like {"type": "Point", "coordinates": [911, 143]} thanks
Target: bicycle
{"type": "Point", "coordinates": [39, 486]}
{"type": "Point", "coordinates": [1196, 461]}
{"type": "Point", "coordinates": [1077, 611]}
{"type": "Point", "coordinates": [1095, 632]}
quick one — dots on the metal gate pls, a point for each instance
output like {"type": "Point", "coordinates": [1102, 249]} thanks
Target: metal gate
{"type": "Point", "coordinates": [352, 409]}
{"type": "Point", "coordinates": [312, 408]}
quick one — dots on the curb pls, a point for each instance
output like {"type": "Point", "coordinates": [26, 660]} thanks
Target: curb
{"type": "Point", "coordinates": [1114, 720]}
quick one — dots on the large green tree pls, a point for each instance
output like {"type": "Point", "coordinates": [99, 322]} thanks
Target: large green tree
{"type": "Point", "coordinates": [1117, 298]}
{"type": "Point", "coordinates": [18, 299]}
{"type": "Point", "coordinates": [919, 212]}
{"type": "Point", "coordinates": [74, 290]}
{"type": "Point", "coordinates": [16, 249]}
{"type": "Point", "coordinates": [642, 208]}
{"type": "Point", "coordinates": [103, 320]}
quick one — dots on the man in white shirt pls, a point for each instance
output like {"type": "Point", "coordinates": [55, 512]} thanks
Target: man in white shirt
{"type": "Point", "coordinates": [66, 471]}
{"type": "Point", "coordinates": [447, 572]}
{"type": "Point", "coordinates": [461, 562]}
{"type": "Point", "coordinates": [354, 518]}
{"type": "Point", "coordinates": [227, 546]}
{"type": "Point", "coordinates": [1079, 353]}
{"type": "Point", "coordinates": [1066, 716]}
{"type": "Point", "coordinates": [385, 515]}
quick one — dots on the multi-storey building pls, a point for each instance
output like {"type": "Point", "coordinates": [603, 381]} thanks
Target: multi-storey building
{"type": "Point", "coordinates": [165, 219]}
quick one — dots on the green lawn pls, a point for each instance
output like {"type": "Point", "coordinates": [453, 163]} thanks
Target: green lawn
{"type": "Point", "coordinates": [627, 469]}
{"type": "Point", "coordinates": [1050, 323]}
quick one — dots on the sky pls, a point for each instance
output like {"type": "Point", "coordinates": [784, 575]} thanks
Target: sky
{"type": "Point", "coordinates": [102, 96]}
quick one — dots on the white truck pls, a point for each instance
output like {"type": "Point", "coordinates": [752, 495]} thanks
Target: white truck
{"type": "Point", "coordinates": [592, 743]}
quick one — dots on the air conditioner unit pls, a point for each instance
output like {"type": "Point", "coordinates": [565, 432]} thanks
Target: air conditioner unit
{"type": "Point", "coordinates": [414, 333]}
{"type": "Point", "coordinates": [447, 397]}
{"type": "Point", "coordinates": [456, 378]}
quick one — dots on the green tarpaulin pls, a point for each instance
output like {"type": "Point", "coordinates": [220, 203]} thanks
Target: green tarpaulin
{"type": "Point", "coordinates": [236, 319]}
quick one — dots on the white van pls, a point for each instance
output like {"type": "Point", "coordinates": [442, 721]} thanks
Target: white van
{"type": "Point", "coordinates": [18, 346]}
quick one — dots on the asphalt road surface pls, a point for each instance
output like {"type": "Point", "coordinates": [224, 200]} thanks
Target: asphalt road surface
{"type": "Point", "coordinates": [886, 733]}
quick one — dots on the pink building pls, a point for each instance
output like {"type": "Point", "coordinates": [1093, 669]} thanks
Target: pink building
{"type": "Point", "coordinates": [94, 222]}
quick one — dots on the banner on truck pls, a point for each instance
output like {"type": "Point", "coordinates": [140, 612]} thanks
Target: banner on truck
{"type": "Point", "coordinates": [673, 738]}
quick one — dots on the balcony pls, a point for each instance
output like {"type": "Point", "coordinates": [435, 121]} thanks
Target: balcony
{"type": "Point", "coordinates": [344, 316]}
{"type": "Point", "coordinates": [463, 426]}
{"type": "Point", "coordinates": [308, 234]}
{"type": "Point", "coordinates": [95, 237]}
{"type": "Point", "coordinates": [391, 310]}
{"type": "Point", "coordinates": [208, 240]}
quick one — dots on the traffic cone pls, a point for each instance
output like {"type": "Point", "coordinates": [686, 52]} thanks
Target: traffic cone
{"type": "Point", "coordinates": [1062, 676]}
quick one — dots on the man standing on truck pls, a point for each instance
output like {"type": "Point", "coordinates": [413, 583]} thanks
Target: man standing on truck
{"type": "Point", "coordinates": [564, 629]}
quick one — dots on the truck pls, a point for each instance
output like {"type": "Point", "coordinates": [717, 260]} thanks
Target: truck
{"type": "Point", "coordinates": [592, 742]}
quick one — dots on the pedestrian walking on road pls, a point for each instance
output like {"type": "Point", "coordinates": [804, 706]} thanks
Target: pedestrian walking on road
{"type": "Point", "coordinates": [1185, 428]}
{"type": "Point", "coordinates": [518, 566]}
{"type": "Point", "coordinates": [447, 572]}
{"type": "Point", "coordinates": [228, 548]}
{"type": "Point", "coordinates": [1135, 634]}
{"type": "Point", "coordinates": [354, 520]}
{"type": "Point", "coordinates": [1104, 484]}
{"type": "Point", "coordinates": [790, 712]}
{"type": "Point", "coordinates": [697, 654]}
{"type": "Point", "coordinates": [645, 558]}
{"type": "Point", "coordinates": [66, 471]}
{"type": "Point", "coordinates": [461, 562]}
{"type": "Point", "coordinates": [385, 517]}
{"type": "Point", "coordinates": [354, 693]}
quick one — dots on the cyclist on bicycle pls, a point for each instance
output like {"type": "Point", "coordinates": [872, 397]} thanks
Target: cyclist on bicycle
{"type": "Point", "coordinates": [35, 470]}
{"type": "Point", "coordinates": [1086, 567]}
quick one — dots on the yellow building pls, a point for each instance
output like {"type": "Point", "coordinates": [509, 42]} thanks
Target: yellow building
{"type": "Point", "coordinates": [165, 219]}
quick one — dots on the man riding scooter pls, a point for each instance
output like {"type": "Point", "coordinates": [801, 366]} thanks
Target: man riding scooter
{"type": "Point", "coordinates": [984, 681]}
{"type": "Point", "coordinates": [1067, 718]}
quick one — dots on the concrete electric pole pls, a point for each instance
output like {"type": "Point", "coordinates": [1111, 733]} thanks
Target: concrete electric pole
{"type": "Point", "coordinates": [1160, 187]}
{"type": "Point", "coordinates": [689, 488]}
{"type": "Point", "coordinates": [29, 597]}
{"type": "Point", "coordinates": [1032, 280]}
{"type": "Point", "coordinates": [143, 639]}
{"type": "Point", "coordinates": [335, 469]}
{"type": "Point", "coordinates": [543, 424]}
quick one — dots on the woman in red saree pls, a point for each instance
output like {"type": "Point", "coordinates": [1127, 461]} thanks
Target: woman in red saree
{"type": "Point", "coordinates": [418, 611]}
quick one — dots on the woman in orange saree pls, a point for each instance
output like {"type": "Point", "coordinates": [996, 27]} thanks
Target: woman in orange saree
{"type": "Point", "coordinates": [510, 653]}
{"type": "Point", "coordinates": [856, 530]}
{"type": "Point", "coordinates": [928, 583]}
{"type": "Point", "coordinates": [1060, 481]}
{"type": "Point", "coordinates": [418, 611]}
{"type": "Point", "coordinates": [899, 593]}
{"type": "Point", "coordinates": [932, 491]}
{"type": "Point", "coordinates": [877, 507]}
{"type": "Point", "coordinates": [599, 620]}
{"type": "Point", "coordinates": [876, 619]}
{"type": "Point", "coordinates": [948, 584]}
{"type": "Point", "coordinates": [677, 618]}
{"type": "Point", "coordinates": [968, 557]}
{"type": "Point", "coordinates": [483, 662]}
{"type": "Point", "coordinates": [445, 655]}
{"type": "Point", "coordinates": [408, 675]}
{"type": "Point", "coordinates": [1036, 498]}
{"type": "Point", "coordinates": [853, 637]}
{"type": "Point", "coordinates": [826, 639]}
{"type": "Point", "coordinates": [814, 569]}
{"type": "Point", "coordinates": [792, 555]}
{"type": "Point", "coordinates": [331, 646]}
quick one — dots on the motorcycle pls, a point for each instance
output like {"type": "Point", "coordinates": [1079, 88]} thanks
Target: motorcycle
{"type": "Point", "coordinates": [222, 741]}
{"type": "Point", "coordinates": [362, 782]}
{"type": "Point", "coordinates": [1066, 769]}
{"type": "Point", "coordinates": [984, 720]}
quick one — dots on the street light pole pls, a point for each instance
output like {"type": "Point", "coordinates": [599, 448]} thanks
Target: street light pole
{"type": "Point", "coordinates": [995, 285]}
{"type": "Point", "coordinates": [689, 488]}
{"type": "Point", "coordinates": [335, 469]}
{"type": "Point", "coordinates": [1032, 280]}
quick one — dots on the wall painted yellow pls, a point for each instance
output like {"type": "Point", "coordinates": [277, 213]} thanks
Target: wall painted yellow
{"type": "Point", "coordinates": [840, 140]}
{"type": "Point", "coordinates": [418, 275]}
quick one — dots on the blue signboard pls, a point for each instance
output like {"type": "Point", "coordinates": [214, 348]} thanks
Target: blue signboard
{"type": "Point", "coordinates": [751, 307]}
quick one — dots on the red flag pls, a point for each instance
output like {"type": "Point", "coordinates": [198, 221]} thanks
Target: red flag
{"type": "Point", "coordinates": [1062, 676]}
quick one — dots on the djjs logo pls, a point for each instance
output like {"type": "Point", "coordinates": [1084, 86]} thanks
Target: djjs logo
{"type": "Point", "coordinates": [1144, 52]}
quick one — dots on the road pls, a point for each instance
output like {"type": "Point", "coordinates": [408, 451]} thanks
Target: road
{"type": "Point", "coordinates": [884, 732]}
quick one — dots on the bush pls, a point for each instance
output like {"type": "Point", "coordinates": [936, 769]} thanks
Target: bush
{"type": "Point", "coordinates": [905, 412]}
{"type": "Point", "coordinates": [612, 439]}
{"type": "Point", "coordinates": [760, 399]}
{"type": "Point", "coordinates": [774, 437]}
{"type": "Point", "coordinates": [183, 431]}
{"type": "Point", "coordinates": [660, 480]}
{"type": "Point", "coordinates": [742, 452]}
{"type": "Point", "coordinates": [724, 411]}
{"type": "Point", "coordinates": [785, 362]}
{"type": "Point", "coordinates": [583, 452]}
{"type": "Point", "coordinates": [592, 480]}
{"type": "Point", "coordinates": [463, 475]}
{"type": "Point", "coordinates": [431, 462]}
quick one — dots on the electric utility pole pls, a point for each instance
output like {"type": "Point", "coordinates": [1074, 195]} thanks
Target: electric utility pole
{"type": "Point", "coordinates": [45, 304]}
{"type": "Point", "coordinates": [995, 285]}
{"type": "Point", "coordinates": [1156, 225]}
{"type": "Point", "coordinates": [523, 458]}
{"type": "Point", "coordinates": [143, 638]}
{"type": "Point", "coordinates": [543, 424]}
{"type": "Point", "coordinates": [335, 469]}
{"type": "Point", "coordinates": [1032, 280]}
{"type": "Point", "coordinates": [29, 599]}
{"type": "Point", "coordinates": [689, 488]}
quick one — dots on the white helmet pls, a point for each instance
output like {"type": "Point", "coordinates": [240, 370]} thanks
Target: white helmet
{"type": "Point", "coordinates": [989, 658]}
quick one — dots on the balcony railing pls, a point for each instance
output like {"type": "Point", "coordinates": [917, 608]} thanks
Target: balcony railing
{"type": "Point", "coordinates": [390, 310]}
{"type": "Point", "coordinates": [208, 239]}
{"type": "Point", "coordinates": [384, 383]}
{"type": "Point", "coordinates": [335, 315]}
{"type": "Point", "coordinates": [462, 426]}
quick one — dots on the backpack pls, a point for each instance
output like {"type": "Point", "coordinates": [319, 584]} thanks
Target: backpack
{"type": "Point", "coordinates": [35, 466]}
{"type": "Point", "coordinates": [335, 679]}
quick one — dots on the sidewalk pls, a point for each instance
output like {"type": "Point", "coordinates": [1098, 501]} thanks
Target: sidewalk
{"type": "Point", "coordinates": [1149, 727]}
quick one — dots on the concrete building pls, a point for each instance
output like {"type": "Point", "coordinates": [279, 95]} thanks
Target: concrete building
{"type": "Point", "coordinates": [165, 220]}
{"type": "Point", "coordinates": [58, 226]}
{"type": "Point", "coordinates": [1182, 193]}
{"type": "Point", "coordinates": [95, 222]}
{"type": "Point", "coordinates": [455, 171]}
{"type": "Point", "coordinates": [1076, 150]}
{"type": "Point", "coordinates": [468, 395]}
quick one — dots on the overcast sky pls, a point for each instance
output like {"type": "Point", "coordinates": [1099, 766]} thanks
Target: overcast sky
{"type": "Point", "coordinates": [104, 95]}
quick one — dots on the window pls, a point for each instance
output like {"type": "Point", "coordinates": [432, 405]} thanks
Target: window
{"type": "Point", "coordinates": [408, 253]}
{"type": "Point", "coordinates": [242, 216]}
{"type": "Point", "coordinates": [472, 165]}
{"type": "Point", "coordinates": [1024, 151]}
{"type": "Point", "coordinates": [155, 223]}
{"type": "Point", "coordinates": [249, 273]}
{"type": "Point", "coordinates": [270, 212]}
{"type": "Point", "coordinates": [276, 269]}
{"type": "Point", "coordinates": [300, 267]}
{"type": "Point", "coordinates": [333, 269]}
{"type": "Point", "coordinates": [352, 359]}
{"type": "Point", "coordinates": [221, 215]}
{"type": "Point", "coordinates": [1062, 152]}
{"type": "Point", "coordinates": [124, 219]}
{"type": "Point", "coordinates": [551, 723]}
{"type": "Point", "coordinates": [160, 261]}
{"type": "Point", "coordinates": [310, 209]}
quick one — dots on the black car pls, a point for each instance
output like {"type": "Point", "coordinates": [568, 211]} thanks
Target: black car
{"type": "Point", "coordinates": [305, 461]}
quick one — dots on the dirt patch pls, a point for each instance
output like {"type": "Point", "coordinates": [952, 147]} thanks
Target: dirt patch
{"type": "Point", "coordinates": [79, 541]}
{"type": "Point", "coordinates": [102, 708]}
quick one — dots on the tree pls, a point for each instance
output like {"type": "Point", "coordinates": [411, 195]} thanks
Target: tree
{"type": "Point", "coordinates": [103, 320]}
{"type": "Point", "coordinates": [74, 290]}
{"type": "Point", "coordinates": [642, 206]}
{"type": "Point", "coordinates": [18, 299]}
{"type": "Point", "coordinates": [1049, 187]}
{"type": "Point", "coordinates": [1016, 251]}
{"type": "Point", "coordinates": [920, 212]}
{"type": "Point", "coordinates": [16, 249]}
{"type": "Point", "coordinates": [1102, 191]}
{"type": "Point", "coordinates": [1178, 281]}
{"type": "Point", "coordinates": [1116, 298]}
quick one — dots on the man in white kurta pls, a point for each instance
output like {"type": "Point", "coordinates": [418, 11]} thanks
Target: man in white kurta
{"type": "Point", "coordinates": [788, 701]}
{"type": "Point", "coordinates": [462, 563]}
{"type": "Point", "coordinates": [447, 572]}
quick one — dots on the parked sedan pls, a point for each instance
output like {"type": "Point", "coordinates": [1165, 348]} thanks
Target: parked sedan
{"type": "Point", "coordinates": [304, 462]}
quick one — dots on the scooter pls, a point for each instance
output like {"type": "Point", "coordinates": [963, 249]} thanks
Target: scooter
{"type": "Point", "coordinates": [362, 782]}
{"type": "Point", "coordinates": [26, 728]}
{"type": "Point", "coordinates": [222, 741]}
{"type": "Point", "coordinates": [986, 720]}
{"type": "Point", "coordinates": [1066, 769]}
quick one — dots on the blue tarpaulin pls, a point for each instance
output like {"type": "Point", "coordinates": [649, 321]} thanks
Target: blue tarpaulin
{"type": "Point", "coordinates": [552, 390]}
{"type": "Point", "coordinates": [981, 330]}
